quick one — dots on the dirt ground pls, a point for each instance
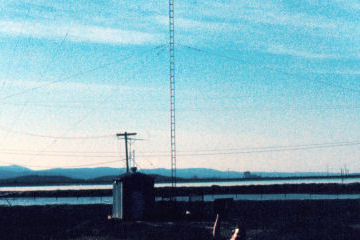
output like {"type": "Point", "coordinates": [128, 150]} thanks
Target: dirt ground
{"type": "Point", "coordinates": [267, 220]}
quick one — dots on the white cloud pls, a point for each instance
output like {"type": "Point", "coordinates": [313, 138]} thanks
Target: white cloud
{"type": "Point", "coordinates": [270, 13]}
{"type": "Point", "coordinates": [339, 72]}
{"type": "Point", "coordinates": [20, 87]}
{"type": "Point", "coordinates": [67, 86]}
{"type": "Point", "coordinates": [266, 12]}
{"type": "Point", "coordinates": [194, 25]}
{"type": "Point", "coordinates": [349, 5]}
{"type": "Point", "coordinates": [77, 33]}
{"type": "Point", "coordinates": [282, 50]}
{"type": "Point", "coordinates": [295, 20]}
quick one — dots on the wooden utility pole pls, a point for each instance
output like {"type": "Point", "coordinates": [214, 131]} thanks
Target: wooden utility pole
{"type": "Point", "coordinates": [125, 135]}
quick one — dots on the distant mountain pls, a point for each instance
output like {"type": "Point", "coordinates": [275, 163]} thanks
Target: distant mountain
{"type": "Point", "coordinates": [81, 173]}
{"type": "Point", "coordinates": [213, 173]}
{"type": "Point", "coordinates": [108, 173]}
{"type": "Point", "coordinates": [195, 173]}
{"type": "Point", "coordinates": [38, 180]}
{"type": "Point", "coordinates": [13, 171]}
{"type": "Point", "coordinates": [14, 168]}
{"type": "Point", "coordinates": [109, 179]}
{"type": "Point", "coordinates": [293, 174]}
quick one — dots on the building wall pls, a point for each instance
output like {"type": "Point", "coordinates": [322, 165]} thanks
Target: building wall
{"type": "Point", "coordinates": [133, 197]}
{"type": "Point", "coordinates": [117, 200]}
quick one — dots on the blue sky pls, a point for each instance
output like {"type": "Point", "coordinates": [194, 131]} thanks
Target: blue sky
{"type": "Point", "coordinates": [260, 85]}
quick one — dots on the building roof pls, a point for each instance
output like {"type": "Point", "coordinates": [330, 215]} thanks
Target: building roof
{"type": "Point", "coordinates": [134, 176]}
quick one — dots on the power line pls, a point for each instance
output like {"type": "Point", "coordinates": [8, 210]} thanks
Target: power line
{"type": "Point", "coordinates": [263, 150]}
{"type": "Point", "coordinates": [76, 74]}
{"type": "Point", "coordinates": [254, 150]}
{"type": "Point", "coordinates": [96, 164]}
{"type": "Point", "coordinates": [57, 155]}
{"type": "Point", "coordinates": [224, 108]}
{"type": "Point", "coordinates": [75, 166]}
{"type": "Point", "coordinates": [44, 69]}
{"type": "Point", "coordinates": [272, 68]}
{"type": "Point", "coordinates": [193, 152]}
{"type": "Point", "coordinates": [80, 120]}
{"type": "Point", "coordinates": [66, 132]}
{"type": "Point", "coordinates": [55, 137]}
{"type": "Point", "coordinates": [62, 152]}
{"type": "Point", "coordinates": [13, 53]}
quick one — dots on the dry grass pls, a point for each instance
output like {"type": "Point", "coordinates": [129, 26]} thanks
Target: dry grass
{"type": "Point", "coordinates": [297, 220]}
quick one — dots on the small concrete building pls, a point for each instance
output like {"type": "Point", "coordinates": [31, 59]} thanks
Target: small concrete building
{"type": "Point", "coordinates": [133, 196]}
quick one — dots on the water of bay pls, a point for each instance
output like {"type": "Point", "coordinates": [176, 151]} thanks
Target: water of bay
{"type": "Point", "coordinates": [185, 184]}
{"type": "Point", "coordinates": [108, 200]}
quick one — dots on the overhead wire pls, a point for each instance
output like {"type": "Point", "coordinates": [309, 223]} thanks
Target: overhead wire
{"type": "Point", "coordinates": [272, 68]}
{"type": "Point", "coordinates": [5, 80]}
{"type": "Point", "coordinates": [57, 50]}
{"type": "Point", "coordinates": [56, 137]}
{"type": "Point", "coordinates": [9, 70]}
{"type": "Point", "coordinates": [96, 164]}
{"type": "Point", "coordinates": [77, 166]}
{"type": "Point", "coordinates": [104, 100]}
{"type": "Point", "coordinates": [80, 120]}
{"type": "Point", "coordinates": [57, 151]}
{"type": "Point", "coordinates": [58, 155]}
{"type": "Point", "coordinates": [54, 141]}
{"type": "Point", "coordinates": [64, 137]}
{"type": "Point", "coordinates": [76, 74]}
{"type": "Point", "coordinates": [213, 152]}
{"type": "Point", "coordinates": [53, 82]}
{"type": "Point", "coordinates": [15, 121]}
{"type": "Point", "coordinates": [189, 152]}
{"type": "Point", "coordinates": [195, 109]}
{"type": "Point", "coordinates": [263, 150]}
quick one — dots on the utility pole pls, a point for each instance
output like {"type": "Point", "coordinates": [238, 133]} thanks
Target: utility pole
{"type": "Point", "coordinates": [126, 135]}
{"type": "Point", "coordinates": [133, 158]}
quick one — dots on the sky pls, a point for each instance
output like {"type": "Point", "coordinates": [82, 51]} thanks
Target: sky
{"type": "Point", "coordinates": [261, 85]}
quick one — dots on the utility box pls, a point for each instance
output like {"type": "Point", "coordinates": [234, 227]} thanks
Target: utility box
{"type": "Point", "coordinates": [133, 196]}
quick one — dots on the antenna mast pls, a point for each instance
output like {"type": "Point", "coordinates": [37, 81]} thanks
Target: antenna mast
{"type": "Point", "coordinates": [172, 92]}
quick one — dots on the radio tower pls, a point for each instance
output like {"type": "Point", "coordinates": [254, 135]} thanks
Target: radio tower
{"type": "Point", "coordinates": [172, 92]}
